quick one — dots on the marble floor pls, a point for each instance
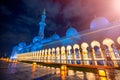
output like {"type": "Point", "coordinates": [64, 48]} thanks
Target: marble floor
{"type": "Point", "coordinates": [25, 71]}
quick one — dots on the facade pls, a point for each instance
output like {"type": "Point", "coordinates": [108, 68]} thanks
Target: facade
{"type": "Point", "coordinates": [99, 45]}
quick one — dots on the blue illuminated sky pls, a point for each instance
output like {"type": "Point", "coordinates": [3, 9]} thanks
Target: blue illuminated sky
{"type": "Point", "coordinates": [19, 18]}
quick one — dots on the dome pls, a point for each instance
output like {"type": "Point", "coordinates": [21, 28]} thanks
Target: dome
{"type": "Point", "coordinates": [98, 22]}
{"type": "Point", "coordinates": [36, 39]}
{"type": "Point", "coordinates": [71, 32]}
{"type": "Point", "coordinates": [22, 44]}
{"type": "Point", "coordinates": [55, 37]}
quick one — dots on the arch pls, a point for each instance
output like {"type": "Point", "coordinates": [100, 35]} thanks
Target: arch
{"type": "Point", "coordinates": [97, 52]}
{"type": "Point", "coordinates": [76, 46]}
{"type": "Point", "coordinates": [62, 48]}
{"type": "Point", "coordinates": [69, 55]}
{"type": "Point", "coordinates": [77, 55]}
{"type": "Point", "coordinates": [95, 48]}
{"type": "Point", "coordinates": [53, 55]}
{"type": "Point", "coordinates": [63, 55]}
{"type": "Point", "coordinates": [69, 47]}
{"type": "Point", "coordinates": [49, 55]}
{"type": "Point", "coordinates": [45, 57]}
{"type": "Point", "coordinates": [53, 49]}
{"type": "Point", "coordinates": [49, 50]}
{"type": "Point", "coordinates": [95, 43]}
{"type": "Point", "coordinates": [108, 42]}
{"type": "Point", "coordinates": [84, 45]}
{"type": "Point", "coordinates": [118, 39]}
{"type": "Point", "coordinates": [37, 55]}
{"type": "Point", "coordinates": [57, 55]}
{"type": "Point", "coordinates": [42, 52]}
{"type": "Point", "coordinates": [40, 55]}
{"type": "Point", "coordinates": [45, 50]}
{"type": "Point", "coordinates": [57, 49]}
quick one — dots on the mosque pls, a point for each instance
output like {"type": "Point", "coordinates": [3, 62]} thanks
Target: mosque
{"type": "Point", "coordinates": [39, 41]}
{"type": "Point", "coordinates": [99, 43]}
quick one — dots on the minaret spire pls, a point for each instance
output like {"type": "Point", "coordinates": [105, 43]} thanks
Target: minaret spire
{"type": "Point", "coordinates": [44, 11]}
{"type": "Point", "coordinates": [42, 24]}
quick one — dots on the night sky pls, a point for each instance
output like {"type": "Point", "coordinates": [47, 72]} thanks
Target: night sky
{"type": "Point", "coordinates": [19, 18]}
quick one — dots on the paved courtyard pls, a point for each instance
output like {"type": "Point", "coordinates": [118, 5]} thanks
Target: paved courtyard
{"type": "Point", "coordinates": [25, 71]}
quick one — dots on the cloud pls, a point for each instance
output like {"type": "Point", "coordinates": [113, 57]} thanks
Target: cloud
{"type": "Point", "coordinates": [77, 8]}
{"type": "Point", "coordinates": [37, 6]}
{"type": "Point", "coordinates": [4, 10]}
{"type": "Point", "coordinates": [26, 20]}
{"type": "Point", "coordinates": [53, 9]}
{"type": "Point", "coordinates": [87, 8]}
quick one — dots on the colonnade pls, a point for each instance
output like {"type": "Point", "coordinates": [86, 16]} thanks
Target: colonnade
{"type": "Point", "coordinates": [83, 54]}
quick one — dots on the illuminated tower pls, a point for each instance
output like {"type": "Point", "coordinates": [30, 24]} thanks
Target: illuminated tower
{"type": "Point", "coordinates": [42, 25]}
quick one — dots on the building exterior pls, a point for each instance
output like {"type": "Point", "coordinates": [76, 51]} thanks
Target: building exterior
{"type": "Point", "coordinates": [99, 45]}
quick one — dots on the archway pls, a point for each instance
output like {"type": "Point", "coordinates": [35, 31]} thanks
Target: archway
{"type": "Point", "coordinates": [49, 55]}
{"type": "Point", "coordinates": [69, 54]}
{"type": "Point", "coordinates": [97, 53]}
{"type": "Point", "coordinates": [53, 55]}
{"type": "Point", "coordinates": [85, 59]}
{"type": "Point", "coordinates": [112, 58]}
{"type": "Point", "coordinates": [40, 55]}
{"type": "Point", "coordinates": [63, 55]}
{"type": "Point", "coordinates": [57, 55]}
{"type": "Point", "coordinates": [77, 55]}
{"type": "Point", "coordinates": [45, 57]}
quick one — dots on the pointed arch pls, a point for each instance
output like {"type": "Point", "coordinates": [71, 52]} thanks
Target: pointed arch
{"type": "Point", "coordinates": [97, 52]}
{"type": "Point", "coordinates": [111, 55]}
{"type": "Point", "coordinates": [76, 46]}
{"type": "Point", "coordinates": [45, 57]}
{"type": "Point", "coordinates": [108, 42]}
{"type": "Point", "coordinates": [58, 55]}
{"type": "Point", "coordinates": [49, 55]}
{"type": "Point", "coordinates": [53, 55]}
{"type": "Point", "coordinates": [77, 55]}
{"type": "Point", "coordinates": [63, 55]}
{"type": "Point", "coordinates": [95, 43]}
{"type": "Point", "coordinates": [69, 54]}
{"type": "Point", "coordinates": [84, 47]}
{"type": "Point", "coordinates": [69, 47]}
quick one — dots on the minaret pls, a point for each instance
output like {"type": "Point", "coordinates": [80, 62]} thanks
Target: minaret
{"type": "Point", "coordinates": [42, 25]}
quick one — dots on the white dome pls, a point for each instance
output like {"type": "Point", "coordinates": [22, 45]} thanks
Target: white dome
{"type": "Point", "coordinates": [55, 37]}
{"type": "Point", "coordinates": [36, 39]}
{"type": "Point", "coordinates": [98, 22]}
{"type": "Point", "coordinates": [71, 32]}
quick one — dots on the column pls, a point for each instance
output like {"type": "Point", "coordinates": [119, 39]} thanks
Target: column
{"type": "Point", "coordinates": [113, 56]}
{"type": "Point", "coordinates": [103, 58]}
{"type": "Point", "coordinates": [94, 58]}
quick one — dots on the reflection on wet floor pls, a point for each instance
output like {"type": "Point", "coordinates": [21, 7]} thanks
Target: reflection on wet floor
{"type": "Point", "coordinates": [11, 68]}
{"type": "Point", "coordinates": [25, 71]}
